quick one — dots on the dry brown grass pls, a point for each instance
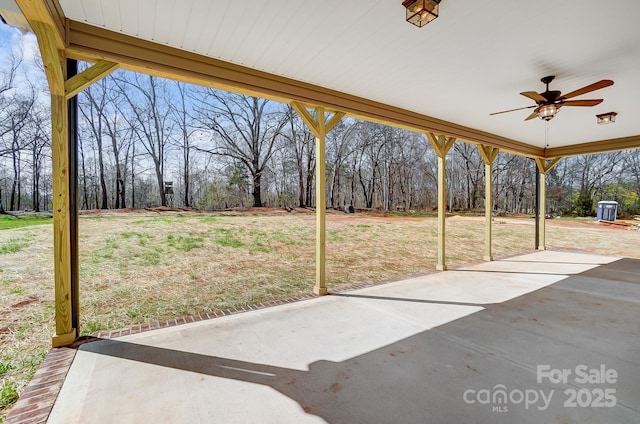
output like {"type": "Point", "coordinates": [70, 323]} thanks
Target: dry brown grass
{"type": "Point", "coordinates": [138, 268]}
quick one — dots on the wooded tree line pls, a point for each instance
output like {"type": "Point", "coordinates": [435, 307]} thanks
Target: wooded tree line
{"type": "Point", "coordinates": [145, 141]}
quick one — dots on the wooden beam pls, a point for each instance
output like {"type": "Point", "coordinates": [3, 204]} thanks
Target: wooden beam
{"type": "Point", "coordinates": [441, 264]}
{"type": "Point", "coordinates": [87, 77]}
{"type": "Point", "coordinates": [46, 12]}
{"type": "Point", "coordinates": [335, 119]}
{"type": "Point", "coordinates": [488, 154]}
{"type": "Point", "coordinates": [65, 334]}
{"type": "Point", "coordinates": [91, 43]}
{"type": "Point", "coordinates": [542, 204]}
{"type": "Point", "coordinates": [46, 21]}
{"type": "Point", "coordinates": [545, 165]}
{"type": "Point", "coordinates": [306, 117]}
{"type": "Point", "coordinates": [441, 144]}
{"type": "Point", "coordinates": [51, 57]}
{"type": "Point", "coordinates": [320, 287]}
{"type": "Point", "coordinates": [610, 145]}
{"type": "Point", "coordinates": [319, 126]}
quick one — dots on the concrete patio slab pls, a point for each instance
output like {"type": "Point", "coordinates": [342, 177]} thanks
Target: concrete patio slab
{"type": "Point", "coordinates": [480, 344]}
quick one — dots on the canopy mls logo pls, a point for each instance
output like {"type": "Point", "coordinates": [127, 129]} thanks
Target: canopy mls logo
{"type": "Point", "coordinates": [595, 395]}
{"type": "Point", "coordinates": [500, 398]}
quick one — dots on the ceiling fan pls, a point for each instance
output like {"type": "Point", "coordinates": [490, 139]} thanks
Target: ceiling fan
{"type": "Point", "coordinates": [549, 102]}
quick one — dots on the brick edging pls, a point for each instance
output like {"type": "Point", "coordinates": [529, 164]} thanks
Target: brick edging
{"type": "Point", "coordinates": [218, 313]}
{"type": "Point", "coordinates": [37, 399]}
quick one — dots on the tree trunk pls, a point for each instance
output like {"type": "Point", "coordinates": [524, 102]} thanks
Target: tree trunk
{"type": "Point", "coordinates": [84, 178]}
{"type": "Point", "coordinates": [119, 187]}
{"type": "Point", "coordinates": [133, 176]}
{"type": "Point", "coordinates": [36, 179]}
{"type": "Point", "coordinates": [14, 185]}
{"type": "Point", "coordinates": [103, 183]}
{"type": "Point", "coordinates": [187, 200]}
{"type": "Point", "coordinates": [160, 178]}
{"type": "Point", "coordinates": [187, 172]}
{"type": "Point", "coordinates": [257, 199]}
{"type": "Point", "coordinates": [309, 187]}
{"type": "Point", "coordinates": [301, 192]}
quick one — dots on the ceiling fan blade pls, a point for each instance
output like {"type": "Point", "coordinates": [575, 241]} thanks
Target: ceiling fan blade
{"type": "Point", "coordinates": [580, 102]}
{"type": "Point", "coordinates": [589, 88]}
{"type": "Point", "coordinates": [533, 115]}
{"type": "Point", "coordinates": [536, 97]}
{"type": "Point", "coordinates": [513, 110]}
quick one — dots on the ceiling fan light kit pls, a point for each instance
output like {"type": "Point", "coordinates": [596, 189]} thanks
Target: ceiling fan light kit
{"type": "Point", "coordinates": [606, 118]}
{"type": "Point", "coordinates": [421, 12]}
{"type": "Point", "coordinates": [549, 102]}
{"type": "Point", "coordinates": [547, 112]}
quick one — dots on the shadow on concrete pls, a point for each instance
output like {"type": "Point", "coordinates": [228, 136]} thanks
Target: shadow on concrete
{"type": "Point", "coordinates": [457, 372]}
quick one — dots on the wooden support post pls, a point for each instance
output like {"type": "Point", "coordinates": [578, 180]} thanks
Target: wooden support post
{"type": "Point", "coordinates": [54, 60]}
{"type": "Point", "coordinates": [441, 144]}
{"type": "Point", "coordinates": [320, 287]}
{"type": "Point", "coordinates": [542, 213]}
{"type": "Point", "coordinates": [488, 154]}
{"type": "Point", "coordinates": [442, 200]}
{"type": "Point", "coordinates": [48, 24]}
{"type": "Point", "coordinates": [544, 166]}
{"type": "Point", "coordinates": [319, 126]}
{"type": "Point", "coordinates": [65, 333]}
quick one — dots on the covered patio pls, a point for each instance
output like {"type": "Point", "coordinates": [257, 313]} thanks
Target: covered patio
{"type": "Point", "coordinates": [403, 352]}
{"type": "Point", "coordinates": [481, 343]}
{"type": "Point", "coordinates": [331, 59]}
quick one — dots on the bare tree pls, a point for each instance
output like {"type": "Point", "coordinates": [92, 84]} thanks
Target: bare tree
{"type": "Point", "coordinates": [340, 149]}
{"type": "Point", "coordinates": [83, 169]}
{"type": "Point", "coordinates": [119, 131]}
{"type": "Point", "coordinates": [39, 145]}
{"type": "Point", "coordinates": [371, 144]}
{"type": "Point", "coordinates": [472, 165]}
{"type": "Point", "coordinates": [149, 100]}
{"type": "Point", "coordinates": [632, 162]}
{"type": "Point", "coordinates": [93, 104]}
{"type": "Point", "coordinates": [7, 108]}
{"type": "Point", "coordinates": [244, 128]}
{"type": "Point", "coordinates": [301, 141]}
{"type": "Point", "coordinates": [182, 116]}
{"type": "Point", "coordinates": [19, 117]}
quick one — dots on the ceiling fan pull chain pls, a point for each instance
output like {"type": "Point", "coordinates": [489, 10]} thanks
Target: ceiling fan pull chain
{"type": "Point", "coordinates": [546, 134]}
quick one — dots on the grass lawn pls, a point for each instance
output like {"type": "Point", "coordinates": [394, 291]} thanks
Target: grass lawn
{"type": "Point", "coordinates": [140, 267]}
{"type": "Point", "coordinates": [9, 221]}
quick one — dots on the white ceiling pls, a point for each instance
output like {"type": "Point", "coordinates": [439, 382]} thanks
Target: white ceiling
{"type": "Point", "coordinates": [471, 61]}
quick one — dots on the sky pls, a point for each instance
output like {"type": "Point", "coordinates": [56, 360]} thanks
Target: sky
{"type": "Point", "coordinates": [12, 38]}
{"type": "Point", "coordinates": [24, 45]}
